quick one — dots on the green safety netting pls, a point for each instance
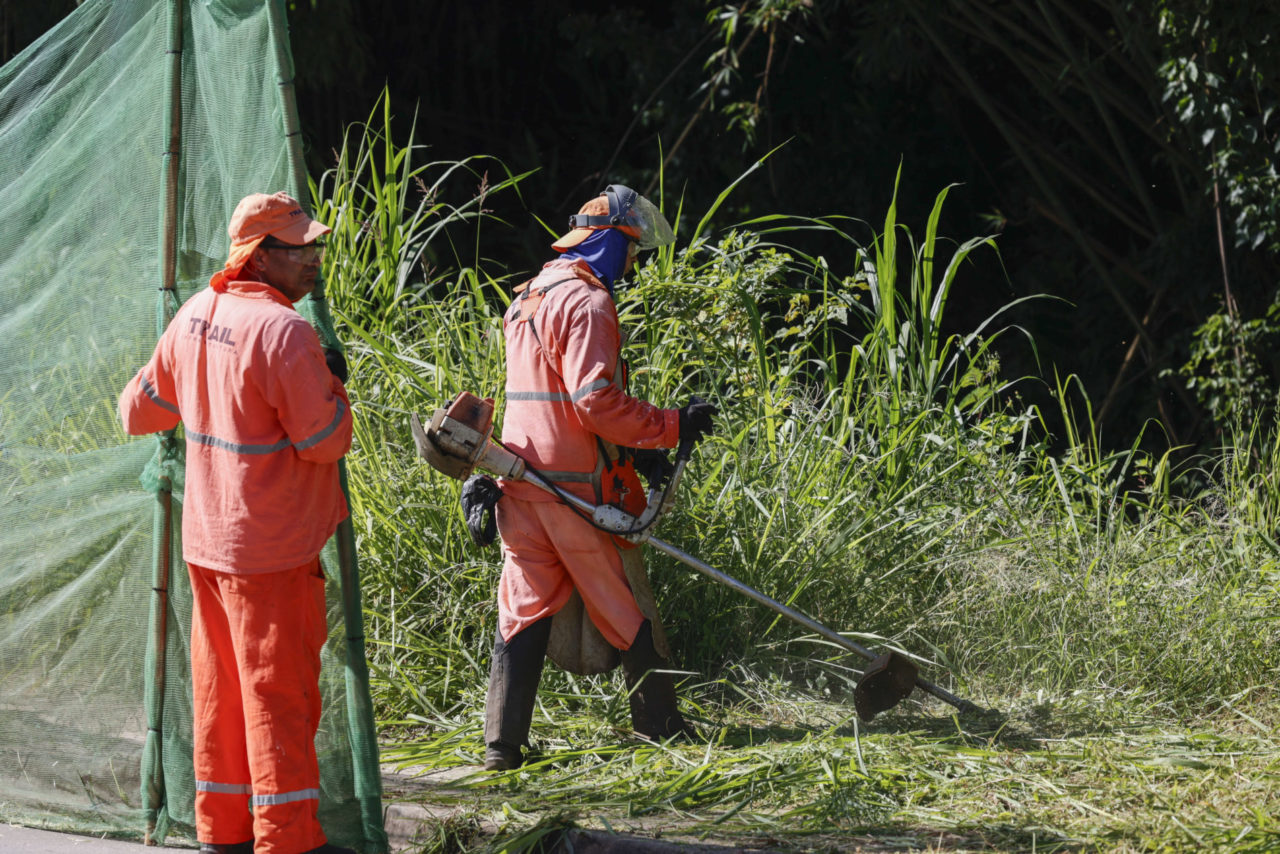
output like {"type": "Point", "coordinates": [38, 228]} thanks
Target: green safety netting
{"type": "Point", "coordinates": [127, 135]}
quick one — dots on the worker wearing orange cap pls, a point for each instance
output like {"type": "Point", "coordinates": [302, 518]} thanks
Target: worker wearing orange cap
{"type": "Point", "coordinates": [569, 415]}
{"type": "Point", "coordinates": [267, 418]}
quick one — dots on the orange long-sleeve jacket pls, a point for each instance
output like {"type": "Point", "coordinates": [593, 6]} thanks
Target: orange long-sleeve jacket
{"type": "Point", "coordinates": [566, 390]}
{"type": "Point", "coordinates": [265, 422]}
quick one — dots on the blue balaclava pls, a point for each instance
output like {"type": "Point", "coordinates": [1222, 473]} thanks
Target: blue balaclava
{"type": "Point", "coordinates": [605, 252]}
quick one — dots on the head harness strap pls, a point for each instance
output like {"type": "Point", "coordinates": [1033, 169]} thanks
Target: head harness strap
{"type": "Point", "coordinates": [621, 200]}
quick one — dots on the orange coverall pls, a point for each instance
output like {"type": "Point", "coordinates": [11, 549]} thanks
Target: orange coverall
{"type": "Point", "coordinates": [564, 395]}
{"type": "Point", "coordinates": [266, 423]}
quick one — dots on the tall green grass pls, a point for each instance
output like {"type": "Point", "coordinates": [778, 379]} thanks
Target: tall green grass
{"type": "Point", "coordinates": [869, 468]}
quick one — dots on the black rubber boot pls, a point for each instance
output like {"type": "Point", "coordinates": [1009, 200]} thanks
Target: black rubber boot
{"type": "Point", "coordinates": [513, 687]}
{"type": "Point", "coordinates": [654, 710]}
{"type": "Point", "coordinates": [227, 847]}
{"type": "Point", "coordinates": [331, 849]}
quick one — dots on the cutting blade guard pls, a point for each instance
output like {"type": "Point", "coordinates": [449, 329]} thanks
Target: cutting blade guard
{"type": "Point", "coordinates": [887, 681]}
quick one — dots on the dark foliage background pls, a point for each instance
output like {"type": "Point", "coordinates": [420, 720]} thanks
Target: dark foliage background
{"type": "Point", "coordinates": [1124, 151]}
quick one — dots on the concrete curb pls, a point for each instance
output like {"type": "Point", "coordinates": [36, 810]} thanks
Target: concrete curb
{"type": "Point", "coordinates": [410, 827]}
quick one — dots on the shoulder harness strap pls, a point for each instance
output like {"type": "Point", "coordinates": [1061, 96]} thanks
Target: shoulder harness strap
{"type": "Point", "coordinates": [526, 307]}
{"type": "Point", "coordinates": [529, 300]}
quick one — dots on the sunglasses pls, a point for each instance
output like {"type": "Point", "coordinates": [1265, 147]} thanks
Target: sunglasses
{"type": "Point", "coordinates": [307, 254]}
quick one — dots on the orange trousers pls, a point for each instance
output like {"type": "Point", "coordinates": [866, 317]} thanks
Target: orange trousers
{"type": "Point", "coordinates": [255, 671]}
{"type": "Point", "coordinates": [547, 551]}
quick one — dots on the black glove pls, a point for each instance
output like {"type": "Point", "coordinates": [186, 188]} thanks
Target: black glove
{"type": "Point", "coordinates": [337, 364]}
{"type": "Point", "coordinates": [695, 420]}
{"type": "Point", "coordinates": [480, 494]}
{"type": "Point", "coordinates": [653, 465]}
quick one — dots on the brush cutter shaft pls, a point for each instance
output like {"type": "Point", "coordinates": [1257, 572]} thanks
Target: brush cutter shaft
{"type": "Point", "coordinates": [458, 440]}
{"type": "Point", "coordinates": [795, 616]}
{"type": "Point", "coordinates": [751, 593]}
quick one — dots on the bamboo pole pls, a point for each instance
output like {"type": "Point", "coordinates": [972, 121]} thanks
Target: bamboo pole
{"type": "Point", "coordinates": [361, 730]}
{"type": "Point", "coordinates": [153, 783]}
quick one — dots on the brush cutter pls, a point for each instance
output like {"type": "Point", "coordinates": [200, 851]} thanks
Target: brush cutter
{"type": "Point", "coordinates": [459, 440]}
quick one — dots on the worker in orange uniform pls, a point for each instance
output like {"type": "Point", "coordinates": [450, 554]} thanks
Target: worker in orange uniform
{"type": "Point", "coordinates": [568, 414]}
{"type": "Point", "coordinates": [267, 418]}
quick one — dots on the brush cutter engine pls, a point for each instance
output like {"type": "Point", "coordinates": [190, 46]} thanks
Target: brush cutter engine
{"type": "Point", "coordinates": [459, 440]}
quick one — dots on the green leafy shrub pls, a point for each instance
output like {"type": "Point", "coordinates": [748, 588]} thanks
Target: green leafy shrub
{"type": "Point", "coordinates": [1226, 371]}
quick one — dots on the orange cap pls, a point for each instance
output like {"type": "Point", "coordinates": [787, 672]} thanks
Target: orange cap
{"type": "Point", "coordinates": [599, 206]}
{"type": "Point", "coordinates": [259, 215]}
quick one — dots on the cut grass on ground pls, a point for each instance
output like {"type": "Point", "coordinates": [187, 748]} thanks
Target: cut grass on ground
{"type": "Point", "coordinates": [1070, 773]}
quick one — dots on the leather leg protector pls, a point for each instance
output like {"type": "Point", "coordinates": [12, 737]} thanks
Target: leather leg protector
{"type": "Point", "coordinates": [655, 713]}
{"type": "Point", "coordinates": [513, 685]}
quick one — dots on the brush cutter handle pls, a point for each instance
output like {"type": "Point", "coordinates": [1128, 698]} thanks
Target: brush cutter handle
{"type": "Point", "coordinates": [795, 616]}
{"type": "Point", "coordinates": [668, 499]}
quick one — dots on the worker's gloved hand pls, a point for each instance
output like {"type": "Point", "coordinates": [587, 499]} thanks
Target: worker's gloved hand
{"type": "Point", "coordinates": [653, 465]}
{"type": "Point", "coordinates": [695, 420]}
{"type": "Point", "coordinates": [480, 494]}
{"type": "Point", "coordinates": [337, 364]}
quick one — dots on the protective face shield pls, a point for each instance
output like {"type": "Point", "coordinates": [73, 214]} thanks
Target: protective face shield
{"type": "Point", "coordinates": [633, 214]}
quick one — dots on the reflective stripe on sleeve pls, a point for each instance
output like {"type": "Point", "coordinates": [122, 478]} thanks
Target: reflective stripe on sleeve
{"type": "Point", "coordinates": [559, 396]}
{"type": "Point", "coordinates": [224, 788]}
{"type": "Point", "coordinates": [588, 388]}
{"type": "Point", "coordinates": [555, 396]}
{"type": "Point", "coordinates": [325, 433]}
{"type": "Point", "coordinates": [155, 395]}
{"type": "Point", "coordinates": [286, 797]}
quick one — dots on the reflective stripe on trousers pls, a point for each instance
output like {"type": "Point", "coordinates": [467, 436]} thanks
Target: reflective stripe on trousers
{"type": "Point", "coordinates": [257, 800]}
